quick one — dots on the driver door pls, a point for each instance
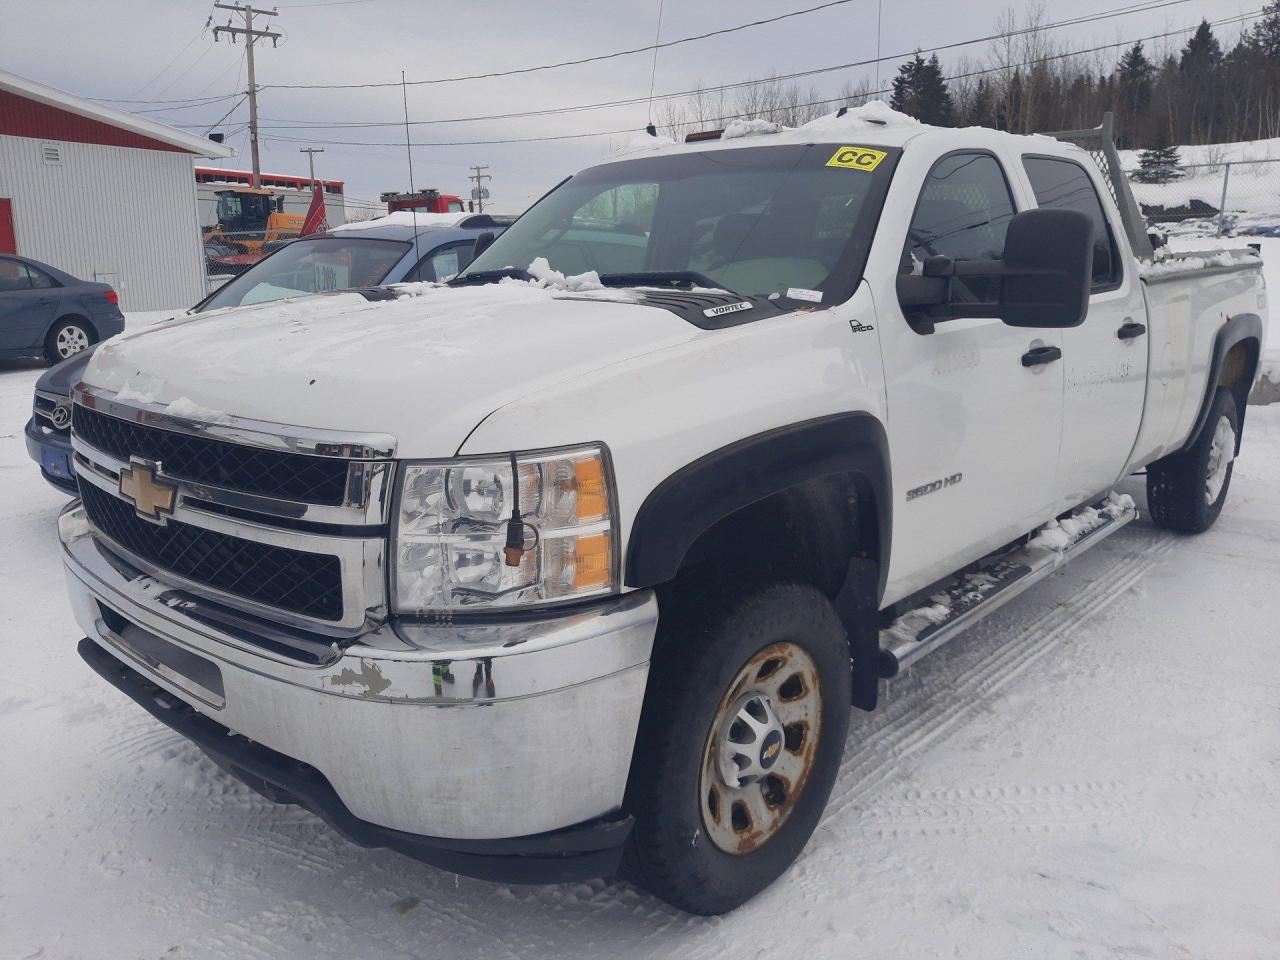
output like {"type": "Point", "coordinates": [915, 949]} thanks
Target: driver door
{"type": "Point", "coordinates": [975, 429]}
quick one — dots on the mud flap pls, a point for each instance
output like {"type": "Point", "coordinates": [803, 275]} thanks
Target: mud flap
{"type": "Point", "coordinates": [856, 604]}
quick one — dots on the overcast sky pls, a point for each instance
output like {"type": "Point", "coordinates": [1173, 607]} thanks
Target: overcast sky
{"type": "Point", "coordinates": [154, 49]}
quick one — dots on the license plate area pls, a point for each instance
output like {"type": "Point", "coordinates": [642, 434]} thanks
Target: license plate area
{"type": "Point", "coordinates": [189, 672]}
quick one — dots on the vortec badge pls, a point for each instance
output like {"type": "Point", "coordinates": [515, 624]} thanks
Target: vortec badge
{"type": "Point", "coordinates": [727, 308]}
{"type": "Point", "coordinates": [152, 498]}
{"type": "Point", "coordinates": [857, 158]}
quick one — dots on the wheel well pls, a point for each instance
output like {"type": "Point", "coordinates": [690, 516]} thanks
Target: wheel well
{"type": "Point", "coordinates": [1238, 369]}
{"type": "Point", "coordinates": [807, 532]}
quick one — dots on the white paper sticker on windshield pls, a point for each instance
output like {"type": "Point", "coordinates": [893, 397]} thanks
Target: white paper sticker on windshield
{"type": "Point", "coordinates": [799, 293]}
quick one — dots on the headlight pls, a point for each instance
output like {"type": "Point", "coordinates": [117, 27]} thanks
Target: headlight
{"type": "Point", "coordinates": [451, 527]}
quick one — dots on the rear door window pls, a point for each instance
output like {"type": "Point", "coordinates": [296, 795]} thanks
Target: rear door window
{"type": "Point", "coordinates": [1064, 185]}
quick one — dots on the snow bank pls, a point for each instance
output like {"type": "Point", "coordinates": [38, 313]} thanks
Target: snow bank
{"type": "Point", "coordinates": [749, 128]}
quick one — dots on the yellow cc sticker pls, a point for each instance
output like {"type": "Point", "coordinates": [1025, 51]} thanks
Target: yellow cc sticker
{"type": "Point", "coordinates": [857, 158]}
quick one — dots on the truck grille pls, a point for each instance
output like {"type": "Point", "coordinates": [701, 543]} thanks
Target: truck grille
{"type": "Point", "coordinates": [309, 584]}
{"type": "Point", "coordinates": [286, 476]}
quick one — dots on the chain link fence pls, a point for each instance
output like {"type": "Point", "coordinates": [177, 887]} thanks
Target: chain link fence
{"type": "Point", "coordinates": [1236, 198]}
{"type": "Point", "coordinates": [229, 254]}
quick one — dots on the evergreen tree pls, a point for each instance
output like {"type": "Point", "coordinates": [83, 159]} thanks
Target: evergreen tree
{"type": "Point", "coordinates": [1159, 165]}
{"type": "Point", "coordinates": [1266, 33]}
{"type": "Point", "coordinates": [1202, 54]}
{"type": "Point", "coordinates": [1134, 76]}
{"type": "Point", "coordinates": [982, 111]}
{"type": "Point", "coordinates": [920, 91]}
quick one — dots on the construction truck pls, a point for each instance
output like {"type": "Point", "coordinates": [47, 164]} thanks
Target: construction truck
{"type": "Point", "coordinates": [248, 217]}
{"type": "Point", "coordinates": [429, 201]}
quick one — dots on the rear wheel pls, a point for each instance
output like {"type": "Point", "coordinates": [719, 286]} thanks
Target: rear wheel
{"type": "Point", "coordinates": [1186, 491]}
{"type": "Point", "coordinates": [66, 339]}
{"type": "Point", "coordinates": [740, 742]}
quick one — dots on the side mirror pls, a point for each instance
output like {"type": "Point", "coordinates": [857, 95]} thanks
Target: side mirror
{"type": "Point", "coordinates": [483, 243]}
{"type": "Point", "coordinates": [1044, 276]}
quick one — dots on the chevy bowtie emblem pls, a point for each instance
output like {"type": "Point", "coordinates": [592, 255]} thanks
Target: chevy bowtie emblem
{"type": "Point", "coordinates": [152, 497]}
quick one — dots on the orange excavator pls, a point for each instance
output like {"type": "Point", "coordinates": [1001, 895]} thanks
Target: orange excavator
{"type": "Point", "coordinates": [248, 217]}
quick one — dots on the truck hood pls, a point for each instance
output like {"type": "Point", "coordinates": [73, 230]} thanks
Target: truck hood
{"type": "Point", "coordinates": [426, 367]}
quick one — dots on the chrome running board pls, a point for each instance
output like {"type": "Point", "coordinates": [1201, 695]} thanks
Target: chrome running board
{"type": "Point", "coordinates": [968, 597]}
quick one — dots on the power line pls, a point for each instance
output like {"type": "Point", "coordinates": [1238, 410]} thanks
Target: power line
{"type": "Point", "coordinates": [630, 101]}
{"type": "Point", "coordinates": [174, 60]}
{"type": "Point", "coordinates": [574, 63]}
{"type": "Point", "coordinates": [192, 101]}
{"type": "Point", "coordinates": [812, 103]}
{"type": "Point", "coordinates": [191, 66]}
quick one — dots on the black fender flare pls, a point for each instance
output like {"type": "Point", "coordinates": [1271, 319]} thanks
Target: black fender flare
{"type": "Point", "coordinates": [1241, 327]}
{"type": "Point", "coordinates": [690, 501]}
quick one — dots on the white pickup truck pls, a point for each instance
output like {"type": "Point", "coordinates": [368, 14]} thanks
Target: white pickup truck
{"type": "Point", "coordinates": [575, 565]}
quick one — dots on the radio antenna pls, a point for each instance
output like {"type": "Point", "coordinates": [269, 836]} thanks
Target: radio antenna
{"type": "Point", "coordinates": [408, 149]}
{"type": "Point", "coordinates": [653, 73]}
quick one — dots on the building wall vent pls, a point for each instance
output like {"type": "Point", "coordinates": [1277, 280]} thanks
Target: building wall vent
{"type": "Point", "coordinates": [51, 153]}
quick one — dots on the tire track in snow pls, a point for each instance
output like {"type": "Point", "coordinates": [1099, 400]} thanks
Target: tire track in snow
{"type": "Point", "coordinates": [909, 726]}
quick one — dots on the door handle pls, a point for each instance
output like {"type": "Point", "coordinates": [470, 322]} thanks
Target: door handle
{"type": "Point", "coordinates": [1128, 330]}
{"type": "Point", "coordinates": [1038, 356]}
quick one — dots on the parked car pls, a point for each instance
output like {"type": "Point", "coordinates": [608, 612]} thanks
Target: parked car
{"type": "Point", "coordinates": [578, 564]}
{"type": "Point", "coordinates": [45, 312]}
{"type": "Point", "coordinates": [386, 251]}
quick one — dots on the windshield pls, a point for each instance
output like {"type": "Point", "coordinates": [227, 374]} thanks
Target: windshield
{"type": "Point", "coordinates": [756, 220]}
{"type": "Point", "coordinates": [228, 207]}
{"type": "Point", "coordinates": [311, 266]}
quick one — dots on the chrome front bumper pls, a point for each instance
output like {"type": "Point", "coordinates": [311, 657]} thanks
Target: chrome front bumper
{"type": "Point", "coordinates": [463, 731]}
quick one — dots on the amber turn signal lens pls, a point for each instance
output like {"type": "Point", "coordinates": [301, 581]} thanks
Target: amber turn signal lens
{"type": "Point", "coordinates": [591, 562]}
{"type": "Point", "coordinates": [588, 477]}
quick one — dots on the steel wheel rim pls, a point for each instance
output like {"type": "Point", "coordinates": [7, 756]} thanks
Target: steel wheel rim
{"type": "Point", "coordinates": [765, 736]}
{"type": "Point", "coordinates": [1222, 450]}
{"type": "Point", "coordinates": [71, 340]}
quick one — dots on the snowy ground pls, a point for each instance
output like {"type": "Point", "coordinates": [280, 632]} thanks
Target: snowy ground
{"type": "Point", "coordinates": [1093, 772]}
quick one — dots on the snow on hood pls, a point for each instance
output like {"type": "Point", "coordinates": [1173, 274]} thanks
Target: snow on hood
{"type": "Point", "coordinates": [875, 115]}
{"type": "Point", "coordinates": [425, 367]}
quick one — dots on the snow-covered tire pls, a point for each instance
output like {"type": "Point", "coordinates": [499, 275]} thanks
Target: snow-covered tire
{"type": "Point", "coordinates": [717, 693]}
{"type": "Point", "coordinates": [68, 337]}
{"type": "Point", "coordinates": [1186, 490]}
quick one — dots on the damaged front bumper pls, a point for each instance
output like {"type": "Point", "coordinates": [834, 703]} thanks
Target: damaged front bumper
{"type": "Point", "coordinates": [498, 750]}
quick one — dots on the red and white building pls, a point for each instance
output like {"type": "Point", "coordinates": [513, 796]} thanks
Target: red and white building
{"type": "Point", "coordinates": [102, 194]}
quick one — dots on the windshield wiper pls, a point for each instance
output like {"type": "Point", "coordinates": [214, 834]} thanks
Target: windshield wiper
{"type": "Point", "coordinates": [661, 278]}
{"type": "Point", "coordinates": [490, 276]}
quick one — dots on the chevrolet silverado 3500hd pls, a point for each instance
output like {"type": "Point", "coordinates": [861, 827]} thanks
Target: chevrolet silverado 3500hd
{"type": "Point", "coordinates": [575, 565]}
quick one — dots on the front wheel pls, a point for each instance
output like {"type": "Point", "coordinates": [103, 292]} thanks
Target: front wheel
{"type": "Point", "coordinates": [740, 742]}
{"type": "Point", "coordinates": [1186, 491]}
{"type": "Point", "coordinates": [66, 339]}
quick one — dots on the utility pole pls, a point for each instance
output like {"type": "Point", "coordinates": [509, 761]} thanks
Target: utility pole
{"type": "Point", "coordinates": [250, 35]}
{"type": "Point", "coordinates": [311, 159]}
{"type": "Point", "coordinates": [479, 191]}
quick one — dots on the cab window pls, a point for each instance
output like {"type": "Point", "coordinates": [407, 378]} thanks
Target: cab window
{"type": "Point", "coordinates": [1064, 185]}
{"type": "Point", "coordinates": [963, 213]}
{"type": "Point", "coordinates": [443, 263]}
